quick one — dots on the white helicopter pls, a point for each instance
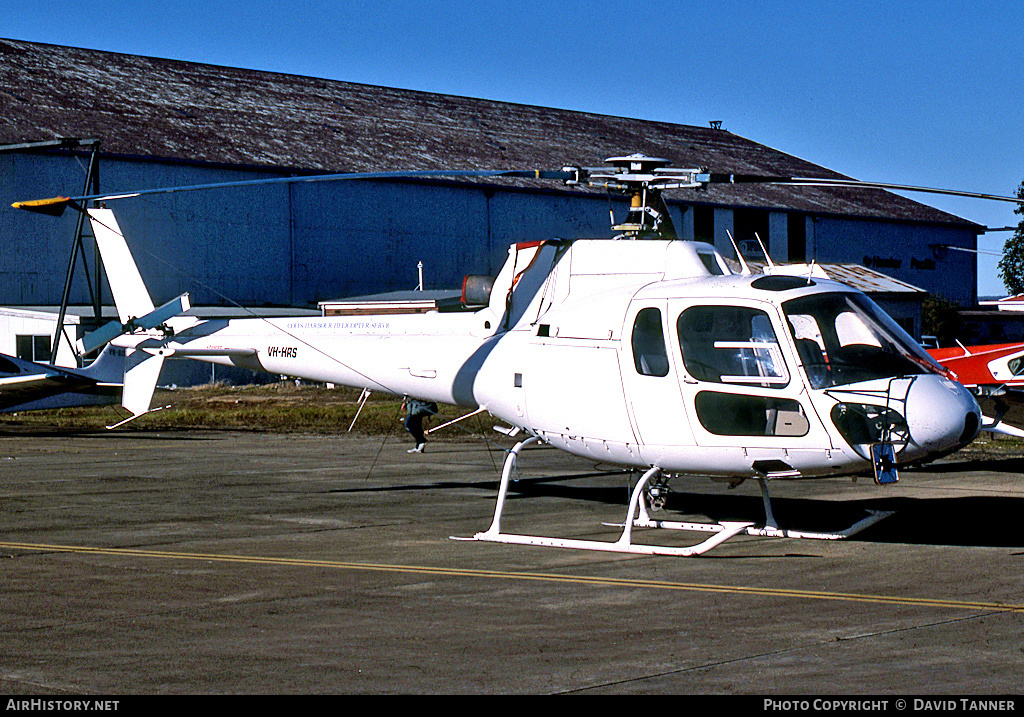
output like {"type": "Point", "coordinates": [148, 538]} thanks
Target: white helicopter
{"type": "Point", "coordinates": [648, 352]}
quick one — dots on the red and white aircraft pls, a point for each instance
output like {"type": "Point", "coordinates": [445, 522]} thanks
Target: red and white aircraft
{"type": "Point", "coordinates": [995, 374]}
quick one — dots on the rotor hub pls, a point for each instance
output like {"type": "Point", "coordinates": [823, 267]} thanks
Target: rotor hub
{"type": "Point", "coordinates": [638, 163]}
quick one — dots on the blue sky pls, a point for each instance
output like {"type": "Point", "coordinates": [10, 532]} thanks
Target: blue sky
{"type": "Point", "coordinates": [921, 93]}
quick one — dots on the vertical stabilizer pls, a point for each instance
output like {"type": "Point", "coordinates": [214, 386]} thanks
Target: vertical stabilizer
{"type": "Point", "coordinates": [109, 366]}
{"type": "Point", "coordinates": [130, 294]}
{"type": "Point", "coordinates": [142, 370]}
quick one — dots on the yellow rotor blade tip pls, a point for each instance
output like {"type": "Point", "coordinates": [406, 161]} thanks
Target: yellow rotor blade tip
{"type": "Point", "coordinates": [54, 206]}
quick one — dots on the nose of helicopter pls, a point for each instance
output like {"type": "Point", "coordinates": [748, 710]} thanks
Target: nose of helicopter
{"type": "Point", "coordinates": [942, 416]}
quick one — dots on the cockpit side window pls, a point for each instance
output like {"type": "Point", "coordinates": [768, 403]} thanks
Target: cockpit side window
{"type": "Point", "coordinates": [845, 338]}
{"type": "Point", "coordinates": [732, 345]}
{"type": "Point", "coordinates": [810, 346]}
{"type": "Point", "coordinates": [649, 354]}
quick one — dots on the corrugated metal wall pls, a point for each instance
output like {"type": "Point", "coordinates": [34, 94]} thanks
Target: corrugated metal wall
{"type": "Point", "coordinates": [303, 243]}
{"type": "Point", "coordinates": [279, 244]}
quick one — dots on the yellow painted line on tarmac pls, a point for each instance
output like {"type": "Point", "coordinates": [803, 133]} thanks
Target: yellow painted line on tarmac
{"type": "Point", "coordinates": [537, 577]}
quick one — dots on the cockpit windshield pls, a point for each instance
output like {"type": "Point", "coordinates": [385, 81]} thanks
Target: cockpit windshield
{"type": "Point", "coordinates": [845, 338]}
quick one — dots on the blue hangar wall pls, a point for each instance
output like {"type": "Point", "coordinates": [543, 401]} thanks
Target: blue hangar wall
{"type": "Point", "coordinates": [296, 244]}
{"type": "Point", "coordinates": [285, 244]}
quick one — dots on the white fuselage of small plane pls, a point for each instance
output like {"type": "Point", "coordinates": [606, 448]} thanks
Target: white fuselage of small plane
{"type": "Point", "coordinates": [31, 386]}
{"type": "Point", "coordinates": [638, 353]}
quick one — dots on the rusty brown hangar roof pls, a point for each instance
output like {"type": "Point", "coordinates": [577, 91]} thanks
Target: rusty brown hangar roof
{"type": "Point", "coordinates": [171, 110]}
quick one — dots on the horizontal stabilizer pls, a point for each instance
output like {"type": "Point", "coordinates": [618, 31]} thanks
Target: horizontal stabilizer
{"type": "Point", "coordinates": [186, 352]}
{"type": "Point", "coordinates": [110, 331]}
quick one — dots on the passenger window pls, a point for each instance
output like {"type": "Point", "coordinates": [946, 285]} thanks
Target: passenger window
{"type": "Point", "coordinates": [649, 354]}
{"type": "Point", "coordinates": [735, 414]}
{"type": "Point", "coordinates": [731, 344]}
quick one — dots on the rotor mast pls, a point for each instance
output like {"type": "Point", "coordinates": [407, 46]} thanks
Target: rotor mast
{"type": "Point", "coordinates": [642, 178]}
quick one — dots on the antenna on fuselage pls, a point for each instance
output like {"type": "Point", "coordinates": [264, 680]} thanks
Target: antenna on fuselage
{"type": "Point", "coordinates": [764, 251]}
{"type": "Point", "coordinates": [739, 257]}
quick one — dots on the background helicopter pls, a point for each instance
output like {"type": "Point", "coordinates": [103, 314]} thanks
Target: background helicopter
{"type": "Point", "coordinates": [652, 355]}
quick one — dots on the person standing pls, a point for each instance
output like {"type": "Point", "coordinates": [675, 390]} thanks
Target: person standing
{"type": "Point", "coordinates": [415, 411]}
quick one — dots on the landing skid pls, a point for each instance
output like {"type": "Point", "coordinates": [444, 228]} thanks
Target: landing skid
{"type": "Point", "coordinates": [771, 528]}
{"type": "Point", "coordinates": [638, 516]}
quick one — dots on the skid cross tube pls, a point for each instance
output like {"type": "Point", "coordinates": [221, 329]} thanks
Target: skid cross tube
{"type": "Point", "coordinates": [771, 528]}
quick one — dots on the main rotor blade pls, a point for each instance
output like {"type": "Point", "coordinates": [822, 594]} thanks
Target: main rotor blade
{"type": "Point", "coordinates": [55, 205]}
{"type": "Point", "coordinates": [854, 183]}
